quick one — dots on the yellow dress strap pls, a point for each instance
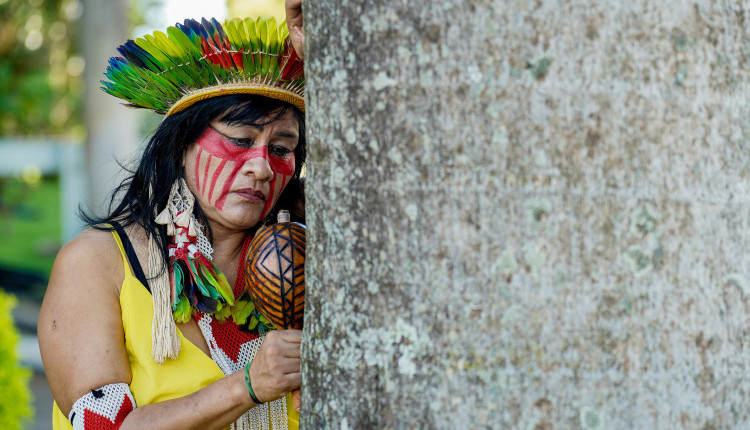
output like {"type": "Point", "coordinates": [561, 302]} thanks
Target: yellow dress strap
{"type": "Point", "coordinates": [125, 265]}
{"type": "Point", "coordinates": [125, 262]}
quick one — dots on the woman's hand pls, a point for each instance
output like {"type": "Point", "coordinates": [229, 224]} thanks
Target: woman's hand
{"type": "Point", "coordinates": [294, 22]}
{"type": "Point", "coordinates": [275, 370]}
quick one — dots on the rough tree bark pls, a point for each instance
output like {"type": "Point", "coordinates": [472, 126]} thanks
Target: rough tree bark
{"type": "Point", "coordinates": [527, 214]}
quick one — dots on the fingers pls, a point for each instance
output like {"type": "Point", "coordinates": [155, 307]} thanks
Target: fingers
{"type": "Point", "coordinates": [294, 22]}
{"type": "Point", "coordinates": [289, 366]}
{"type": "Point", "coordinates": [281, 386]}
{"type": "Point", "coordinates": [269, 387]}
{"type": "Point", "coordinates": [281, 366]}
{"type": "Point", "coordinates": [293, 336]}
{"type": "Point", "coordinates": [275, 370]}
{"type": "Point", "coordinates": [294, 11]}
{"type": "Point", "coordinates": [280, 344]}
{"type": "Point", "coordinates": [294, 381]}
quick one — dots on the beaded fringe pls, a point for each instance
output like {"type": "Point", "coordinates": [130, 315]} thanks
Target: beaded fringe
{"type": "Point", "coordinates": [260, 416]}
{"type": "Point", "coordinates": [165, 343]}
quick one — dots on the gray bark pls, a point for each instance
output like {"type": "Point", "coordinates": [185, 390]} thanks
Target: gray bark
{"type": "Point", "coordinates": [111, 129]}
{"type": "Point", "coordinates": [527, 214]}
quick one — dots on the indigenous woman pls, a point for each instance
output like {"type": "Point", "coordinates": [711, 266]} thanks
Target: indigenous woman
{"type": "Point", "coordinates": [145, 323]}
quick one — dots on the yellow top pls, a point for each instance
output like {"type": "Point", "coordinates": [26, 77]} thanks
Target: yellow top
{"type": "Point", "coordinates": [152, 383]}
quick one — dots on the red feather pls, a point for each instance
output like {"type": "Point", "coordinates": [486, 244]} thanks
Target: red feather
{"type": "Point", "coordinates": [292, 66]}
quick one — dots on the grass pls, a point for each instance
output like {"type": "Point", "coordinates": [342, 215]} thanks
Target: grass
{"type": "Point", "coordinates": [30, 228]}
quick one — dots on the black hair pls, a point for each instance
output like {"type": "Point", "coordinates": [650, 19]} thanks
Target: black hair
{"type": "Point", "coordinates": [146, 190]}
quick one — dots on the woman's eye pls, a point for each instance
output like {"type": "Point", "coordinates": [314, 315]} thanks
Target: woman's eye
{"type": "Point", "coordinates": [279, 151]}
{"type": "Point", "coordinates": [245, 143]}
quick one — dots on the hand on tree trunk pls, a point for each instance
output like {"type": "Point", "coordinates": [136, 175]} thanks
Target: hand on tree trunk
{"type": "Point", "coordinates": [275, 370]}
{"type": "Point", "coordinates": [294, 22]}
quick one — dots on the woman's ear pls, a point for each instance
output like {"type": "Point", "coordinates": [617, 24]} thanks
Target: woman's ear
{"type": "Point", "coordinates": [183, 162]}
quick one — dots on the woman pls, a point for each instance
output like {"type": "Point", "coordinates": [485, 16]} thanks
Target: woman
{"type": "Point", "coordinates": [182, 347]}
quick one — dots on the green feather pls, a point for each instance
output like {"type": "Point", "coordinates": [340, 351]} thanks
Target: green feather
{"type": "Point", "coordinates": [252, 323]}
{"type": "Point", "coordinates": [182, 41]}
{"type": "Point", "coordinates": [242, 310]}
{"type": "Point", "coordinates": [198, 279]}
{"type": "Point", "coordinates": [182, 310]}
{"type": "Point", "coordinates": [264, 35]}
{"type": "Point", "coordinates": [233, 33]}
{"type": "Point", "coordinates": [254, 41]}
{"type": "Point", "coordinates": [178, 280]}
{"type": "Point", "coordinates": [224, 288]}
{"type": "Point", "coordinates": [222, 312]}
{"type": "Point", "coordinates": [208, 278]}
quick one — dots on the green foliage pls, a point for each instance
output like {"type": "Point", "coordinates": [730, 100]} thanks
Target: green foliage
{"type": "Point", "coordinates": [15, 397]}
{"type": "Point", "coordinates": [40, 69]}
{"type": "Point", "coordinates": [30, 228]}
{"type": "Point", "coordinates": [139, 9]}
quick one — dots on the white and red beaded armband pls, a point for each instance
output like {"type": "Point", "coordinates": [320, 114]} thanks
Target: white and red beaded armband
{"type": "Point", "coordinates": [102, 409]}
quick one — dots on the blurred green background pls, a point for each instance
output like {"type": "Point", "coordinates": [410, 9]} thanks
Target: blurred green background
{"type": "Point", "coordinates": [31, 223]}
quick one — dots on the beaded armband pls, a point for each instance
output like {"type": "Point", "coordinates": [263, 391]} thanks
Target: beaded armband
{"type": "Point", "coordinates": [102, 409]}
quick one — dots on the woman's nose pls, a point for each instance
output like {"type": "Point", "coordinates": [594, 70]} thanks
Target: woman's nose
{"type": "Point", "coordinates": [259, 166]}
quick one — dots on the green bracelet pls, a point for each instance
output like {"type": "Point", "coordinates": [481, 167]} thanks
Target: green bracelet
{"type": "Point", "coordinates": [248, 384]}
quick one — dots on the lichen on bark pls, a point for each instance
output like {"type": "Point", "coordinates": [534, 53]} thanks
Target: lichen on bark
{"type": "Point", "coordinates": [527, 214]}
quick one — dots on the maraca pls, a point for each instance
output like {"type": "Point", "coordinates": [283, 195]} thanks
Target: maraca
{"type": "Point", "coordinates": [275, 275]}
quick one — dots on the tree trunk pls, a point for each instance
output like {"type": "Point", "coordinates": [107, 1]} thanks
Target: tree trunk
{"type": "Point", "coordinates": [111, 129]}
{"type": "Point", "coordinates": [527, 214]}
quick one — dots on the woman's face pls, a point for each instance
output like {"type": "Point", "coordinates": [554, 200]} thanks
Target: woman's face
{"type": "Point", "coordinates": [237, 172]}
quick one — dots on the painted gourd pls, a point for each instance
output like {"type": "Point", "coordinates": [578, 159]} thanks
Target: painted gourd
{"type": "Point", "coordinates": [275, 272]}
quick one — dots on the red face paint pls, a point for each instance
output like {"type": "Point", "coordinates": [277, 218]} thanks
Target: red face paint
{"type": "Point", "coordinates": [222, 161]}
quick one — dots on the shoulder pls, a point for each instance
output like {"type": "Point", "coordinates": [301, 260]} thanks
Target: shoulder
{"type": "Point", "coordinates": [89, 241]}
{"type": "Point", "coordinates": [93, 255]}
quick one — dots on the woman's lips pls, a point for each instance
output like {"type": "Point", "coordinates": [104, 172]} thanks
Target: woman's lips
{"type": "Point", "coordinates": [251, 194]}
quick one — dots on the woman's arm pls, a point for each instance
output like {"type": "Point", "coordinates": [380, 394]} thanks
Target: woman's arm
{"type": "Point", "coordinates": [276, 367]}
{"type": "Point", "coordinates": [83, 346]}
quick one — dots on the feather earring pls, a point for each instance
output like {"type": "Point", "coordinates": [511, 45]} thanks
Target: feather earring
{"type": "Point", "coordinates": [196, 283]}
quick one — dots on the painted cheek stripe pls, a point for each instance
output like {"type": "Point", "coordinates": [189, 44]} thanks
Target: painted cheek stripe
{"type": "Point", "coordinates": [227, 186]}
{"type": "Point", "coordinates": [270, 198]}
{"type": "Point", "coordinates": [282, 165]}
{"type": "Point", "coordinates": [198, 163]}
{"type": "Point", "coordinates": [275, 192]}
{"type": "Point", "coordinates": [205, 173]}
{"type": "Point", "coordinates": [215, 178]}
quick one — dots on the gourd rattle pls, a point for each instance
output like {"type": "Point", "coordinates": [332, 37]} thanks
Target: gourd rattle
{"type": "Point", "coordinates": [275, 275]}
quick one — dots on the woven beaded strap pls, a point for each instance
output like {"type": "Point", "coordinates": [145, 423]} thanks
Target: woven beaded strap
{"type": "Point", "coordinates": [249, 384]}
{"type": "Point", "coordinates": [102, 409]}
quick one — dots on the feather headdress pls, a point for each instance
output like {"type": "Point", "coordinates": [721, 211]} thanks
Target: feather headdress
{"type": "Point", "coordinates": [195, 60]}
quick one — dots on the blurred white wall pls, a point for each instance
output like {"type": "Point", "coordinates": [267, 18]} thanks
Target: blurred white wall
{"type": "Point", "coordinates": [111, 128]}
